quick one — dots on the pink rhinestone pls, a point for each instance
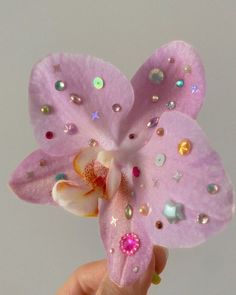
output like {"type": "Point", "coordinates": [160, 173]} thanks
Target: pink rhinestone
{"type": "Point", "coordinates": [129, 244]}
{"type": "Point", "coordinates": [136, 172]}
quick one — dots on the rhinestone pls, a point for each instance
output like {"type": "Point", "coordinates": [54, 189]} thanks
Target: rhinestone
{"type": "Point", "coordinates": [185, 147]}
{"type": "Point", "coordinates": [174, 212]}
{"type": "Point", "coordinates": [136, 269]}
{"type": "Point", "coordinates": [111, 251]}
{"type": "Point", "coordinates": [76, 99]}
{"type": "Point", "coordinates": [155, 98]}
{"type": "Point", "coordinates": [46, 109]}
{"type": "Point", "coordinates": [180, 83]}
{"type": "Point", "coordinates": [144, 209]}
{"type": "Point", "coordinates": [49, 135]}
{"type": "Point", "coordinates": [60, 85]}
{"type": "Point", "coordinates": [171, 105]}
{"type": "Point", "coordinates": [60, 176]}
{"type": "Point", "coordinates": [203, 218]}
{"type": "Point", "coordinates": [95, 116]}
{"type": "Point", "coordinates": [160, 160]}
{"type": "Point", "coordinates": [153, 122]}
{"type": "Point", "coordinates": [160, 131]}
{"type": "Point", "coordinates": [132, 136]}
{"type": "Point", "coordinates": [156, 76]}
{"type": "Point", "coordinates": [156, 279]}
{"type": "Point", "coordinates": [171, 60]}
{"type": "Point", "coordinates": [188, 69]}
{"type": "Point", "coordinates": [213, 188]}
{"type": "Point", "coordinates": [129, 244]}
{"type": "Point", "coordinates": [116, 107]}
{"type": "Point", "coordinates": [136, 172]}
{"type": "Point", "coordinates": [128, 211]}
{"type": "Point", "coordinates": [159, 224]}
{"type": "Point", "coordinates": [42, 163]}
{"type": "Point", "coordinates": [194, 89]}
{"type": "Point", "coordinates": [70, 129]}
{"type": "Point", "coordinates": [98, 83]}
{"type": "Point", "coordinates": [93, 142]}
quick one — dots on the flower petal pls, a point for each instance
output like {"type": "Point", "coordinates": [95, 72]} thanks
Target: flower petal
{"type": "Point", "coordinates": [113, 179]}
{"type": "Point", "coordinates": [80, 200]}
{"type": "Point", "coordinates": [35, 177]}
{"type": "Point", "coordinates": [183, 191]}
{"type": "Point", "coordinates": [76, 99]}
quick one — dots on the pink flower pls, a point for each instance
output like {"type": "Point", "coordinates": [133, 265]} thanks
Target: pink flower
{"type": "Point", "coordinates": [131, 152]}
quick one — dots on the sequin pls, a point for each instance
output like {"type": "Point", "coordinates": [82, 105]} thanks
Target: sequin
{"type": "Point", "coordinates": [128, 211]}
{"type": "Point", "coordinates": [171, 105]}
{"type": "Point", "coordinates": [60, 85]}
{"type": "Point", "coordinates": [70, 129]}
{"type": "Point", "coordinates": [136, 269]}
{"type": "Point", "coordinates": [160, 160]}
{"type": "Point", "coordinates": [98, 83]}
{"type": "Point", "coordinates": [42, 163]}
{"type": "Point", "coordinates": [185, 147]}
{"type": "Point", "coordinates": [159, 224]}
{"type": "Point", "coordinates": [160, 131]}
{"type": "Point", "coordinates": [116, 108]}
{"type": "Point", "coordinates": [153, 122]}
{"type": "Point", "coordinates": [93, 142]}
{"type": "Point", "coordinates": [132, 136]}
{"type": "Point", "coordinates": [49, 135]}
{"type": "Point", "coordinates": [156, 76]}
{"type": "Point", "coordinates": [95, 116]}
{"type": "Point", "coordinates": [114, 220]}
{"type": "Point", "coordinates": [46, 109]}
{"type": "Point", "coordinates": [203, 218]}
{"type": "Point", "coordinates": [173, 212]}
{"type": "Point", "coordinates": [188, 69]}
{"type": "Point", "coordinates": [129, 244]}
{"type": "Point", "coordinates": [177, 177]}
{"type": "Point", "coordinates": [76, 99]}
{"type": "Point", "coordinates": [180, 83]}
{"type": "Point", "coordinates": [194, 89]}
{"type": "Point", "coordinates": [60, 176]}
{"type": "Point", "coordinates": [144, 209]}
{"type": "Point", "coordinates": [213, 188]}
{"type": "Point", "coordinates": [171, 60]}
{"type": "Point", "coordinates": [136, 172]}
{"type": "Point", "coordinates": [155, 98]}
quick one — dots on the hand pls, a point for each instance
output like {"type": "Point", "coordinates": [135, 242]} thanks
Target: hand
{"type": "Point", "coordinates": [92, 278]}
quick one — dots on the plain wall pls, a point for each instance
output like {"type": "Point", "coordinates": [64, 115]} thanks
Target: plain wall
{"type": "Point", "coordinates": [40, 246]}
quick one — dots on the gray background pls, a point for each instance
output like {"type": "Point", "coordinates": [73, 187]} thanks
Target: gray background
{"type": "Point", "coordinates": [40, 246]}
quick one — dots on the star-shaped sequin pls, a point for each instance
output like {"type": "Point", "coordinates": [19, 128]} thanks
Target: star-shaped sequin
{"type": "Point", "coordinates": [178, 175]}
{"type": "Point", "coordinates": [95, 116]}
{"type": "Point", "coordinates": [114, 220]}
{"type": "Point", "coordinates": [194, 89]}
{"type": "Point", "coordinates": [173, 211]}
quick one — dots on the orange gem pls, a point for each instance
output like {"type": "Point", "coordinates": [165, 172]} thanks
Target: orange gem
{"type": "Point", "coordinates": [160, 131]}
{"type": "Point", "coordinates": [185, 147]}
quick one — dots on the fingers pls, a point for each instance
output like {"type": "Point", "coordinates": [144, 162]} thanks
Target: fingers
{"type": "Point", "coordinates": [161, 255]}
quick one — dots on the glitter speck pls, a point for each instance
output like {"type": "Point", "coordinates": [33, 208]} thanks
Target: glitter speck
{"type": "Point", "coordinates": [213, 188]}
{"type": "Point", "coordinates": [188, 69]}
{"type": "Point", "coordinates": [98, 83]}
{"type": "Point", "coordinates": [180, 83]}
{"type": "Point", "coordinates": [155, 98]}
{"type": "Point", "coordinates": [185, 147]}
{"type": "Point", "coordinates": [75, 98]}
{"type": "Point", "coordinates": [60, 85]}
{"type": "Point", "coordinates": [203, 218]}
{"type": "Point", "coordinates": [171, 105]}
{"type": "Point", "coordinates": [116, 108]}
{"type": "Point", "coordinates": [194, 89]}
{"type": "Point", "coordinates": [156, 76]}
{"type": "Point", "coordinates": [144, 209]}
{"type": "Point", "coordinates": [160, 131]}
{"type": "Point", "coordinates": [93, 142]}
{"type": "Point", "coordinates": [70, 129]}
{"type": "Point", "coordinates": [46, 109]}
{"type": "Point", "coordinates": [136, 269]}
{"type": "Point", "coordinates": [153, 122]}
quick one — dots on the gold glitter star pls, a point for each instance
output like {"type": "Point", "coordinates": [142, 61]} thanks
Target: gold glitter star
{"type": "Point", "coordinates": [114, 220]}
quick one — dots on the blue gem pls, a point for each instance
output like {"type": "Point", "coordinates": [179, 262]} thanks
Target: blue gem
{"type": "Point", "coordinates": [60, 176]}
{"type": "Point", "coordinates": [173, 212]}
{"type": "Point", "coordinates": [180, 83]}
{"type": "Point", "coordinates": [194, 89]}
{"type": "Point", "coordinates": [95, 115]}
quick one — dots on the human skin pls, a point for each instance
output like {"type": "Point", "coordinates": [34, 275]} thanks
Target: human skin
{"type": "Point", "coordinates": [93, 279]}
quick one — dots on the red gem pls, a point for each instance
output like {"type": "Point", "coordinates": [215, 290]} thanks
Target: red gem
{"type": "Point", "coordinates": [49, 135]}
{"type": "Point", "coordinates": [136, 172]}
{"type": "Point", "coordinates": [129, 244]}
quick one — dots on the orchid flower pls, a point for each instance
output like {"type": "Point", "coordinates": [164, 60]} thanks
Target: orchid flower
{"type": "Point", "coordinates": [130, 152]}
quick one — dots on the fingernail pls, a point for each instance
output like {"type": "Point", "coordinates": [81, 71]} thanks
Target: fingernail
{"type": "Point", "coordinates": [156, 279]}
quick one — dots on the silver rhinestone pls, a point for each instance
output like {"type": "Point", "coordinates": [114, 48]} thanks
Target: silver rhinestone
{"type": "Point", "coordinates": [171, 105]}
{"type": "Point", "coordinates": [153, 122]}
{"type": "Point", "coordinates": [136, 269]}
{"type": "Point", "coordinates": [160, 160]}
{"type": "Point", "coordinates": [203, 218]}
{"type": "Point", "coordinates": [213, 188]}
{"type": "Point", "coordinates": [111, 251]}
{"type": "Point", "coordinates": [75, 98]}
{"type": "Point", "coordinates": [156, 76]}
{"type": "Point", "coordinates": [155, 98]}
{"type": "Point", "coordinates": [93, 142]}
{"type": "Point", "coordinates": [116, 107]}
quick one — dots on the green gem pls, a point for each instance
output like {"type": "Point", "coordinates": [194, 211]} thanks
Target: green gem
{"type": "Point", "coordinates": [98, 83]}
{"type": "Point", "coordinates": [60, 85]}
{"type": "Point", "coordinates": [46, 109]}
{"type": "Point", "coordinates": [128, 211]}
{"type": "Point", "coordinates": [180, 83]}
{"type": "Point", "coordinates": [156, 279]}
{"type": "Point", "coordinates": [212, 188]}
{"type": "Point", "coordinates": [60, 176]}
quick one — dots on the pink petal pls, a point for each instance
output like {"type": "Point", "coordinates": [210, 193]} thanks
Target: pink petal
{"type": "Point", "coordinates": [158, 184]}
{"type": "Point", "coordinates": [35, 177]}
{"type": "Point", "coordinates": [172, 59]}
{"type": "Point", "coordinates": [113, 179]}
{"type": "Point", "coordinates": [123, 269]}
{"type": "Point", "coordinates": [65, 125]}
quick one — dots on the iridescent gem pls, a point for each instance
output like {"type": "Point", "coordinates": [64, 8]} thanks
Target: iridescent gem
{"type": "Point", "coordinates": [98, 83]}
{"type": "Point", "coordinates": [60, 85]}
{"type": "Point", "coordinates": [160, 131]}
{"type": "Point", "coordinates": [136, 172]}
{"type": "Point", "coordinates": [144, 209]}
{"type": "Point", "coordinates": [46, 109]}
{"type": "Point", "coordinates": [203, 218]}
{"type": "Point", "coordinates": [114, 221]}
{"type": "Point", "coordinates": [49, 135]}
{"type": "Point", "coordinates": [95, 116]}
{"type": "Point", "coordinates": [194, 89]}
{"type": "Point", "coordinates": [132, 136]}
{"type": "Point", "coordinates": [155, 98]}
{"type": "Point", "coordinates": [128, 211]}
{"type": "Point", "coordinates": [173, 211]}
{"type": "Point", "coordinates": [171, 60]}
{"type": "Point", "coordinates": [42, 163]}
{"type": "Point", "coordinates": [160, 160]}
{"type": "Point", "coordinates": [171, 105]}
{"type": "Point", "coordinates": [129, 244]}
{"type": "Point", "coordinates": [213, 188]}
{"type": "Point", "coordinates": [93, 142]}
{"type": "Point", "coordinates": [159, 224]}
{"type": "Point", "coordinates": [188, 69]}
{"type": "Point", "coordinates": [70, 129]}
{"type": "Point", "coordinates": [111, 251]}
{"type": "Point", "coordinates": [156, 76]}
{"type": "Point", "coordinates": [116, 108]}
{"type": "Point", "coordinates": [185, 147]}
{"type": "Point", "coordinates": [60, 176]}
{"type": "Point", "coordinates": [136, 269]}
{"type": "Point", "coordinates": [153, 122]}
{"type": "Point", "coordinates": [180, 83]}
{"type": "Point", "coordinates": [75, 98]}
